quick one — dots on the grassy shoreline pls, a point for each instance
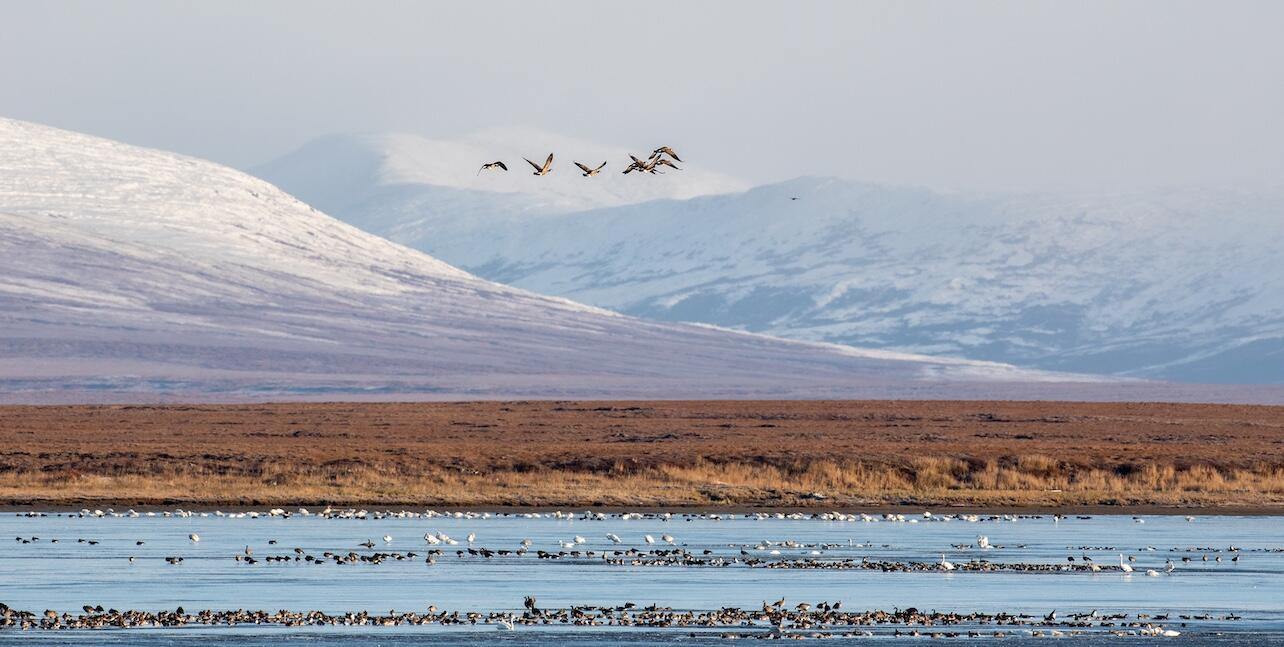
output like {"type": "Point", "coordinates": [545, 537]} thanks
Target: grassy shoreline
{"type": "Point", "coordinates": [1048, 456]}
{"type": "Point", "coordinates": [666, 487]}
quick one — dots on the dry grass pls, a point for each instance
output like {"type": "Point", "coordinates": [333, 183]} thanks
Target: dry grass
{"type": "Point", "coordinates": [1028, 481]}
{"type": "Point", "coordinates": [645, 454]}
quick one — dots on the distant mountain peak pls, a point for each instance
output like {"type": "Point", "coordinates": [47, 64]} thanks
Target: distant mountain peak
{"type": "Point", "coordinates": [1185, 284]}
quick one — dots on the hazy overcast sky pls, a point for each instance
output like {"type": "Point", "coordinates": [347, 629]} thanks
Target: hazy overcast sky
{"type": "Point", "coordinates": [989, 95]}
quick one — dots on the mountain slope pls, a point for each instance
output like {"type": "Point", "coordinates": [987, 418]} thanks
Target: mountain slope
{"type": "Point", "coordinates": [1186, 286]}
{"type": "Point", "coordinates": [130, 271]}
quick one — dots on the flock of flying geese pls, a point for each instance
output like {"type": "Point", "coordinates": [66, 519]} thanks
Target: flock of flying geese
{"type": "Point", "coordinates": [659, 157]}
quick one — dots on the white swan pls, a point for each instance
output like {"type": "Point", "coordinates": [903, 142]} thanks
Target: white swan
{"type": "Point", "coordinates": [1123, 566]}
{"type": "Point", "coordinates": [946, 565]}
{"type": "Point", "coordinates": [194, 537]}
{"type": "Point", "coordinates": [615, 539]}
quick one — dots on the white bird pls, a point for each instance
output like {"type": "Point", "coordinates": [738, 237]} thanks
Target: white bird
{"type": "Point", "coordinates": [579, 539]}
{"type": "Point", "coordinates": [983, 542]}
{"type": "Point", "coordinates": [504, 624]}
{"type": "Point", "coordinates": [1124, 565]}
{"type": "Point", "coordinates": [613, 537]}
{"type": "Point", "coordinates": [431, 539]}
{"type": "Point", "coordinates": [472, 536]}
{"type": "Point", "coordinates": [649, 539]}
{"type": "Point", "coordinates": [667, 538]}
{"type": "Point", "coordinates": [946, 565]}
{"type": "Point", "coordinates": [194, 537]}
{"type": "Point", "coordinates": [387, 539]}
{"type": "Point", "coordinates": [1169, 566]}
{"type": "Point", "coordinates": [1150, 572]}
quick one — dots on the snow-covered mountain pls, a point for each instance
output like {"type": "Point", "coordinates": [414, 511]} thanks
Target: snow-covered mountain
{"type": "Point", "coordinates": [1182, 285]}
{"type": "Point", "coordinates": [126, 270]}
{"type": "Point", "coordinates": [340, 171]}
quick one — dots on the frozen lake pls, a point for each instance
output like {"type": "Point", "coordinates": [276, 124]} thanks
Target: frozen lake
{"type": "Point", "coordinates": [1227, 575]}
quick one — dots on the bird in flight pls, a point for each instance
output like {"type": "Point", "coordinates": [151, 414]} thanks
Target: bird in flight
{"type": "Point", "coordinates": [590, 172]}
{"type": "Point", "coordinates": [667, 151]}
{"type": "Point", "coordinates": [490, 165]}
{"type": "Point", "coordinates": [660, 161]}
{"type": "Point", "coordinates": [639, 165]}
{"type": "Point", "coordinates": [545, 169]}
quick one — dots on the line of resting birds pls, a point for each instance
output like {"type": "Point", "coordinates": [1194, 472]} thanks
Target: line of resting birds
{"type": "Point", "coordinates": [649, 165]}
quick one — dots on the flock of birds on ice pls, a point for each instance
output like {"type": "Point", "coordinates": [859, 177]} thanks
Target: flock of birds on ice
{"type": "Point", "coordinates": [662, 156]}
{"type": "Point", "coordinates": [649, 549]}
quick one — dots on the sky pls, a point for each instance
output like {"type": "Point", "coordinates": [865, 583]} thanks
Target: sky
{"type": "Point", "coordinates": [1021, 95]}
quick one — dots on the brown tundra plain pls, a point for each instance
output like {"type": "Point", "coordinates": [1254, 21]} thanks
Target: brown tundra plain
{"type": "Point", "coordinates": [693, 454]}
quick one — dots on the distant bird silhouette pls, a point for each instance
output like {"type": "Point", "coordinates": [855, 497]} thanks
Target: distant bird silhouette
{"type": "Point", "coordinates": [588, 172]}
{"type": "Point", "coordinates": [545, 169]}
{"type": "Point", "coordinates": [490, 165]}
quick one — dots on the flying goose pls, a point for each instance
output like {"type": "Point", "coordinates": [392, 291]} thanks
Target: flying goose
{"type": "Point", "coordinates": [588, 172]}
{"type": "Point", "coordinates": [490, 165]}
{"type": "Point", "coordinates": [545, 169]}
{"type": "Point", "coordinates": [667, 151]}
{"type": "Point", "coordinates": [636, 165]}
{"type": "Point", "coordinates": [660, 161]}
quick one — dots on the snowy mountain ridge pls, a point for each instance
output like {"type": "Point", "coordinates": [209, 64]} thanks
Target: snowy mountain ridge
{"type": "Point", "coordinates": [133, 273]}
{"type": "Point", "coordinates": [1185, 285]}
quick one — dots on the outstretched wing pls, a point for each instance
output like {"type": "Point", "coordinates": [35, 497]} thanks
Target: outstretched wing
{"type": "Point", "coordinates": [548, 162]}
{"type": "Point", "coordinates": [535, 166]}
{"type": "Point", "coordinates": [600, 166]}
{"type": "Point", "coordinates": [582, 167]}
{"type": "Point", "coordinates": [501, 165]}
